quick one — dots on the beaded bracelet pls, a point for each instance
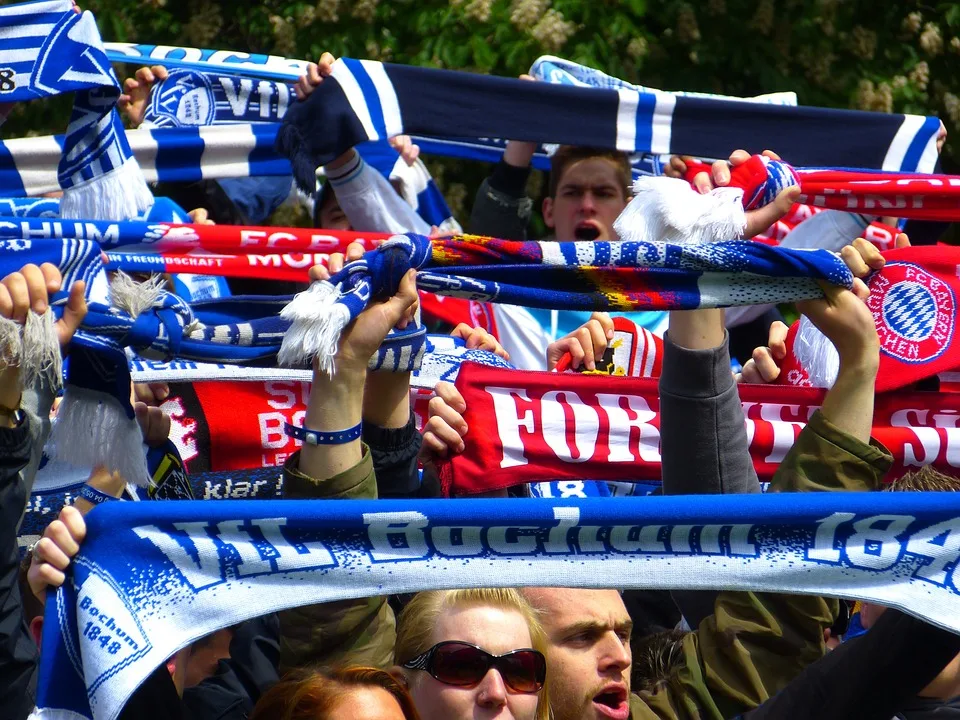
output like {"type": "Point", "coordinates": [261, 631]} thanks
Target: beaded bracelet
{"type": "Point", "coordinates": [323, 437]}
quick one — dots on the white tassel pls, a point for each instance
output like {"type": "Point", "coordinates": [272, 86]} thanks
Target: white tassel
{"type": "Point", "coordinates": [317, 323]}
{"type": "Point", "coordinates": [669, 210]}
{"type": "Point", "coordinates": [121, 194]}
{"type": "Point", "coordinates": [10, 345]}
{"type": "Point", "coordinates": [134, 297]}
{"type": "Point", "coordinates": [40, 358]}
{"type": "Point", "coordinates": [92, 430]}
{"type": "Point", "coordinates": [816, 354]}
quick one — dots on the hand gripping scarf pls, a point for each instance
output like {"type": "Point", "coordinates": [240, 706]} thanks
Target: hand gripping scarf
{"type": "Point", "coordinates": [575, 275]}
{"type": "Point", "coordinates": [46, 49]}
{"type": "Point", "coordinates": [152, 577]}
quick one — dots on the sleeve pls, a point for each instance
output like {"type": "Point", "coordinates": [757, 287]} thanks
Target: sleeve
{"type": "Point", "coordinates": [18, 652]}
{"type": "Point", "coordinates": [824, 458]}
{"type": "Point", "coordinates": [394, 452]}
{"type": "Point", "coordinates": [522, 336]}
{"type": "Point", "coordinates": [370, 202]}
{"type": "Point", "coordinates": [361, 631]}
{"type": "Point", "coordinates": [501, 208]}
{"type": "Point", "coordinates": [253, 666]}
{"type": "Point", "coordinates": [702, 434]}
{"type": "Point", "coordinates": [870, 677]}
{"type": "Point", "coordinates": [703, 440]}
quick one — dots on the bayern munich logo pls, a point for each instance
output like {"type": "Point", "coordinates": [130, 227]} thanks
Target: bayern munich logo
{"type": "Point", "coordinates": [914, 312]}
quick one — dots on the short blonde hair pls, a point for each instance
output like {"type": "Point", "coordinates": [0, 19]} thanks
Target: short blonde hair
{"type": "Point", "coordinates": [419, 618]}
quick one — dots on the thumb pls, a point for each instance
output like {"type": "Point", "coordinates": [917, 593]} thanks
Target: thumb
{"type": "Point", "coordinates": [405, 297]}
{"type": "Point", "coordinates": [73, 313]}
{"type": "Point", "coordinates": [902, 241]}
{"type": "Point", "coordinates": [762, 218]}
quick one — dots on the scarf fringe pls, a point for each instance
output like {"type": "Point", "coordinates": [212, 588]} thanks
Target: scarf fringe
{"type": "Point", "coordinates": [317, 321]}
{"type": "Point", "coordinates": [121, 194]}
{"type": "Point", "coordinates": [134, 297]}
{"type": "Point", "coordinates": [816, 354]}
{"type": "Point", "coordinates": [669, 210]}
{"type": "Point", "coordinates": [40, 359]}
{"type": "Point", "coordinates": [93, 430]}
{"type": "Point", "coordinates": [10, 342]}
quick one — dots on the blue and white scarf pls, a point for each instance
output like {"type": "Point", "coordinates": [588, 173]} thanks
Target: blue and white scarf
{"type": "Point", "coordinates": [153, 577]}
{"type": "Point", "coordinates": [571, 275]}
{"type": "Point", "coordinates": [365, 100]}
{"type": "Point", "coordinates": [46, 49]}
{"type": "Point", "coordinates": [163, 210]}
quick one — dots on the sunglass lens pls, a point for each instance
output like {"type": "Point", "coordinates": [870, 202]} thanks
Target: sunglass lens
{"type": "Point", "coordinates": [460, 665]}
{"type": "Point", "coordinates": [524, 671]}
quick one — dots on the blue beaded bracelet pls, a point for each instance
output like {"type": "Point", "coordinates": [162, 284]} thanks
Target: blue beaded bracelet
{"type": "Point", "coordinates": [323, 437]}
{"type": "Point", "coordinates": [94, 496]}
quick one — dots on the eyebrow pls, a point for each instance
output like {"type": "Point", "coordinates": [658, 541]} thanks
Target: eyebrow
{"type": "Point", "coordinates": [595, 626]}
{"type": "Point", "coordinates": [581, 186]}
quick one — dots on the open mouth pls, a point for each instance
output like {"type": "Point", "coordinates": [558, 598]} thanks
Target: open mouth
{"type": "Point", "coordinates": [612, 703]}
{"type": "Point", "coordinates": [586, 231]}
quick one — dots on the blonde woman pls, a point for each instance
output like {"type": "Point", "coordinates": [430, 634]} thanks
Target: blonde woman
{"type": "Point", "coordinates": [473, 654]}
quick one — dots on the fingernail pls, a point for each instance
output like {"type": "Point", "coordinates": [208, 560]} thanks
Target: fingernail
{"type": "Point", "coordinates": [609, 334]}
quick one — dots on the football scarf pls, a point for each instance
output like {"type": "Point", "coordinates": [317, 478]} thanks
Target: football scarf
{"type": "Point", "coordinates": [47, 49]}
{"type": "Point", "coordinates": [914, 304]}
{"type": "Point", "coordinates": [152, 577]}
{"type": "Point", "coordinates": [162, 210]}
{"type": "Point", "coordinates": [365, 100]}
{"type": "Point", "coordinates": [572, 275]}
{"type": "Point", "coordinates": [547, 426]}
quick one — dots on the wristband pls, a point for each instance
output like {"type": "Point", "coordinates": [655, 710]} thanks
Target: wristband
{"type": "Point", "coordinates": [323, 437]}
{"type": "Point", "coordinates": [94, 496]}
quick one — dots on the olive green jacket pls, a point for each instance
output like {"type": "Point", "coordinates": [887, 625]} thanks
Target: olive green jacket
{"type": "Point", "coordinates": [756, 643]}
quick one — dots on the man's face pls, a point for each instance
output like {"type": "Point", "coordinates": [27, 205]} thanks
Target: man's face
{"type": "Point", "coordinates": [589, 198]}
{"type": "Point", "coordinates": [588, 657]}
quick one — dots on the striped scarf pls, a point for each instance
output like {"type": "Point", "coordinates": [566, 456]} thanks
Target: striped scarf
{"type": "Point", "coordinates": [46, 49]}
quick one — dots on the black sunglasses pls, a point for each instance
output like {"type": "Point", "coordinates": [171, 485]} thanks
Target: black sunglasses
{"type": "Point", "coordinates": [464, 665]}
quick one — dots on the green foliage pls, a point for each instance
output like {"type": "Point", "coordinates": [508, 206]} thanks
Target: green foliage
{"type": "Point", "coordinates": [883, 56]}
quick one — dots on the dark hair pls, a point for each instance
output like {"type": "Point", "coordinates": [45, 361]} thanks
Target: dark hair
{"type": "Point", "coordinates": [926, 479]}
{"type": "Point", "coordinates": [314, 694]}
{"type": "Point", "coordinates": [567, 155]}
{"type": "Point", "coordinates": [320, 198]}
{"type": "Point", "coordinates": [656, 658]}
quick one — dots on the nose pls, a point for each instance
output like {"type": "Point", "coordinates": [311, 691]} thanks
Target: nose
{"type": "Point", "coordinates": [588, 204]}
{"type": "Point", "coordinates": [492, 692]}
{"type": "Point", "coordinates": [616, 655]}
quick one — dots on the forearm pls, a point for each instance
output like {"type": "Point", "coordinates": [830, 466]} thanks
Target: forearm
{"type": "Point", "coordinates": [697, 329]}
{"type": "Point", "coordinates": [386, 399]}
{"type": "Point", "coordinates": [849, 403]}
{"type": "Point", "coordinates": [335, 404]}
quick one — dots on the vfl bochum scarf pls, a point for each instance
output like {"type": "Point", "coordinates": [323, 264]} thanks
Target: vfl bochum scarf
{"type": "Point", "coordinates": [576, 275]}
{"type": "Point", "coordinates": [152, 577]}
{"type": "Point", "coordinates": [46, 49]}
{"type": "Point", "coordinates": [540, 426]}
{"type": "Point", "coordinates": [364, 100]}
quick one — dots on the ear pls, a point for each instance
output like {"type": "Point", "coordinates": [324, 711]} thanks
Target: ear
{"type": "Point", "coordinates": [548, 212]}
{"type": "Point", "coordinates": [36, 629]}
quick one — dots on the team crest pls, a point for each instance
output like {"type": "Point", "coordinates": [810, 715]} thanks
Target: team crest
{"type": "Point", "coordinates": [914, 312]}
{"type": "Point", "coordinates": [185, 98]}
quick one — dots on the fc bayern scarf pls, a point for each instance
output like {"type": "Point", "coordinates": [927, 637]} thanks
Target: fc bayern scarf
{"type": "Point", "coordinates": [364, 100]}
{"type": "Point", "coordinates": [152, 577]}
{"type": "Point", "coordinates": [914, 301]}
{"type": "Point", "coordinates": [546, 426]}
{"type": "Point", "coordinates": [572, 275]}
{"type": "Point", "coordinates": [47, 49]}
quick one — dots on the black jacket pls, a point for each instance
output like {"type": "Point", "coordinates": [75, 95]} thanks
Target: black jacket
{"type": "Point", "coordinates": [18, 652]}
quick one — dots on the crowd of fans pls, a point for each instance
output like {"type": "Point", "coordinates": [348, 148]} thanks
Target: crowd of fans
{"type": "Point", "coordinates": [568, 654]}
